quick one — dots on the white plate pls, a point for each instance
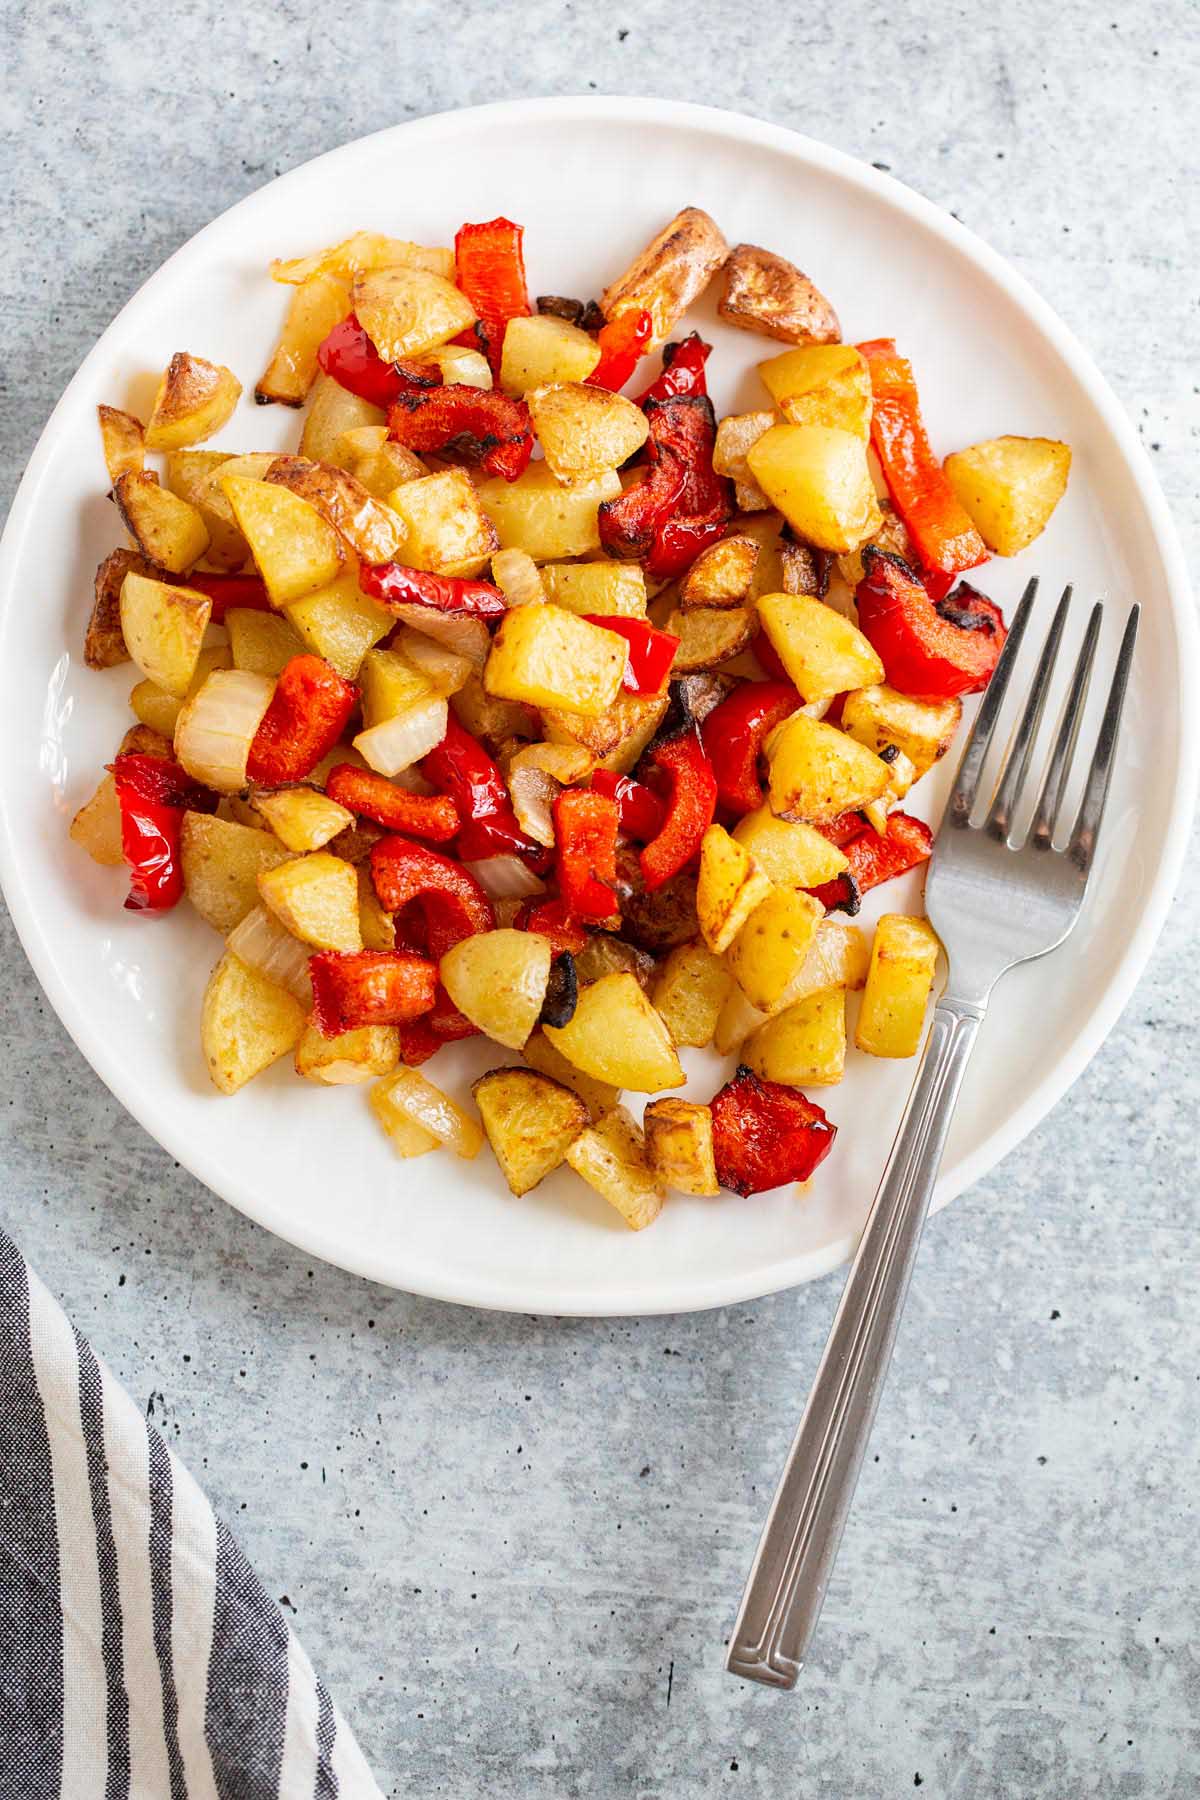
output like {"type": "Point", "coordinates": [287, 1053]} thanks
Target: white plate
{"type": "Point", "coordinates": [590, 179]}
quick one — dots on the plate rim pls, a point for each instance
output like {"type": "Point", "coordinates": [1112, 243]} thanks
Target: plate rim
{"type": "Point", "coordinates": [759, 133]}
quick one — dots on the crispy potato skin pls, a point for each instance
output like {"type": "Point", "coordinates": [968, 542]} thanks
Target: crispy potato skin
{"type": "Point", "coordinates": [104, 642]}
{"type": "Point", "coordinates": [194, 400]}
{"type": "Point", "coordinates": [764, 292]}
{"type": "Point", "coordinates": [670, 273]}
{"type": "Point", "coordinates": [164, 527]}
{"type": "Point", "coordinates": [371, 529]}
{"type": "Point", "coordinates": [124, 440]}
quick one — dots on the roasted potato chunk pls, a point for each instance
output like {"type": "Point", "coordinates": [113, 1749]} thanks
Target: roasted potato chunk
{"type": "Point", "coordinates": [164, 527]}
{"type": "Point", "coordinates": [302, 818]}
{"type": "Point", "coordinates": [804, 1045]}
{"type": "Point", "coordinates": [772, 945]}
{"type": "Point", "coordinates": [194, 399]}
{"type": "Point", "coordinates": [486, 717]}
{"type": "Point", "coordinates": [546, 656]}
{"type": "Point", "coordinates": [405, 311]}
{"type": "Point", "coordinates": [530, 1122]}
{"type": "Point", "coordinates": [332, 412]}
{"type": "Point", "coordinates": [446, 527]}
{"type": "Point", "coordinates": [295, 549]}
{"type": "Point", "coordinates": [818, 477]}
{"type": "Point", "coordinates": [764, 292]}
{"type": "Point", "coordinates": [262, 642]}
{"type": "Point", "coordinates": [246, 1023]}
{"type": "Point", "coordinates": [348, 1058]}
{"type": "Point", "coordinates": [788, 852]}
{"type": "Point", "coordinates": [903, 962]}
{"type": "Point", "coordinates": [731, 885]}
{"type": "Point", "coordinates": [340, 623]}
{"type": "Point", "coordinates": [818, 772]}
{"type": "Point", "coordinates": [192, 475]}
{"type": "Point", "coordinates": [709, 636]}
{"type": "Point", "coordinates": [221, 864]}
{"type": "Point", "coordinates": [372, 458]}
{"type": "Point", "coordinates": [498, 979]}
{"type": "Point", "coordinates": [585, 430]}
{"type": "Point", "coordinates": [541, 349]}
{"type": "Point", "coordinates": [358, 254]}
{"type": "Point", "coordinates": [596, 587]}
{"type": "Point", "coordinates": [669, 274]}
{"type": "Point", "coordinates": [922, 729]}
{"type": "Point", "coordinates": [96, 827]}
{"type": "Point", "coordinates": [104, 645]}
{"type": "Point", "coordinates": [124, 440]}
{"type": "Point", "coordinates": [615, 738]}
{"type": "Point", "coordinates": [611, 1157]}
{"type": "Point", "coordinates": [316, 306]}
{"type": "Point", "coordinates": [371, 529]}
{"type": "Point", "coordinates": [721, 576]}
{"type": "Point", "coordinates": [1010, 486]}
{"type": "Point", "coordinates": [679, 1145]}
{"type": "Point", "coordinates": [735, 435]}
{"type": "Point", "coordinates": [892, 535]}
{"type": "Point", "coordinates": [828, 385]}
{"type": "Point", "coordinates": [617, 1036]}
{"type": "Point", "coordinates": [823, 653]}
{"type": "Point", "coordinates": [689, 992]}
{"type": "Point", "coordinates": [598, 1096]}
{"type": "Point", "coordinates": [315, 898]}
{"type": "Point", "coordinates": [160, 710]}
{"type": "Point", "coordinates": [537, 514]}
{"type": "Point", "coordinates": [163, 627]}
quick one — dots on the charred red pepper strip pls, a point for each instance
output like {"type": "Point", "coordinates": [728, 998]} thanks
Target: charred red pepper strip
{"type": "Point", "coordinates": [452, 903]}
{"type": "Point", "coordinates": [641, 811]}
{"type": "Point", "coordinates": [479, 425]}
{"type": "Point", "coordinates": [394, 584]}
{"type": "Point", "coordinates": [873, 859]}
{"type": "Point", "coordinates": [682, 370]}
{"type": "Point", "coordinates": [153, 793]}
{"type": "Point", "coordinates": [687, 427]}
{"type": "Point", "coordinates": [426, 1036]}
{"type": "Point", "coordinates": [305, 719]}
{"type": "Point", "coordinates": [349, 357]}
{"type": "Point", "coordinates": [839, 831]}
{"type": "Point", "coordinates": [629, 524]}
{"type": "Point", "coordinates": [224, 591]}
{"type": "Point", "coordinates": [765, 1134]}
{"type": "Point", "coordinates": [622, 344]}
{"type": "Point", "coordinates": [490, 271]}
{"type": "Point", "coordinates": [733, 734]}
{"type": "Point", "coordinates": [352, 988]}
{"type": "Point", "coordinates": [585, 837]}
{"type": "Point", "coordinates": [550, 918]}
{"type": "Point", "coordinates": [691, 802]}
{"type": "Point", "coordinates": [930, 649]}
{"type": "Point", "coordinates": [433, 817]}
{"type": "Point", "coordinates": [649, 656]}
{"type": "Point", "coordinates": [938, 525]}
{"type": "Point", "coordinates": [461, 768]}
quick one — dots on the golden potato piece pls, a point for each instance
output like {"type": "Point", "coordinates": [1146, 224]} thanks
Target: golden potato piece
{"type": "Point", "coordinates": [731, 885]}
{"type": "Point", "coordinates": [764, 292]}
{"type": "Point", "coordinates": [315, 898]}
{"type": "Point", "coordinates": [262, 642]}
{"type": "Point", "coordinates": [154, 707]}
{"type": "Point", "coordinates": [163, 627]}
{"type": "Point", "coordinates": [542, 349]}
{"type": "Point", "coordinates": [361, 252]}
{"type": "Point", "coordinates": [104, 645]}
{"type": "Point", "coordinates": [679, 1145]}
{"type": "Point", "coordinates": [221, 864]}
{"type": "Point", "coordinates": [530, 1121]}
{"type": "Point", "coordinates": [194, 399]}
{"type": "Point", "coordinates": [124, 440]}
{"type": "Point", "coordinates": [446, 528]}
{"type": "Point", "coordinates": [332, 412]}
{"type": "Point", "coordinates": [804, 1045]}
{"type": "Point", "coordinates": [922, 729]}
{"type": "Point", "coordinates": [1010, 486]}
{"type": "Point", "coordinates": [788, 852]}
{"type": "Point", "coordinates": [709, 636]}
{"type": "Point", "coordinates": [372, 458]}
{"type": "Point", "coordinates": [689, 992]}
{"type": "Point", "coordinates": [736, 1021]}
{"type": "Point", "coordinates": [818, 477]}
{"type": "Point", "coordinates": [903, 962]}
{"type": "Point", "coordinates": [585, 430]}
{"type": "Point", "coordinates": [817, 771]}
{"type": "Point", "coordinates": [302, 818]}
{"type": "Point", "coordinates": [611, 1157]}
{"type": "Point", "coordinates": [316, 306]}
{"type": "Point", "coordinates": [190, 474]}
{"type": "Point", "coordinates": [546, 656]}
{"type": "Point", "coordinates": [405, 311]}
{"type": "Point", "coordinates": [721, 576]}
{"type": "Point", "coordinates": [164, 527]}
{"type": "Point", "coordinates": [498, 979]}
{"type": "Point", "coordinates": [669, 274]}
{"type": "Point", "coordinates": [598, 1096]}
{"type": "Point", "coordinates": [246, 1023]}
{"type": "Point", "coordinates": [837, 957]}
{"type": "Point", "coordinates": [735, 434]}
{"type": "Point", "coordinates": [96, 827]}
{"type": "Point", "coordinates": [617, 1036]}
{"type": "Point", "coordinates": [537, 514]}
{"type": "Point", "coordinates": [350, 1057]}
{"type": "Point", "coordinates": [822, 385]}
{"type": "Point", "coordinates": [295, 549]}
{"type": "Point", "coordinates": [408, 1095]}
{"type": "Point", "coordinates": [371, 529]}
{"type": "Point", "coordinates": [340, 623]}
{"type": "Point", "coordinates": [822, 651]}
{"type": "Point", "coordinates": [496, 721]}
{"type": "Point", "coordinates": [597, 587]}
{"type": "Point", "coordinates": [390, 685]}
{"type": "Point", "coordinates": [616, 737]}
{"type": "Point", "coordinates": [772, 945]}
{"type": "Point", "coordinates": [892, 535]}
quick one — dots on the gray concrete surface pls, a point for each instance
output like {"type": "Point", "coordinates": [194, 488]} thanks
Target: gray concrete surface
{"type": "Point", "coordinates": [514, 1545]}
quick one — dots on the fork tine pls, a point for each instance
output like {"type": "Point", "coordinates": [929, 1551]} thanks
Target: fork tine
{"type": "Point", "coordinates": [1082, 846]}
{"type": "Point", "coordinates": [966, 782]}
{"type": "Point", "coordinates": [1059, 767]}
{"type": "Point", "coordinates": [1016, 766]}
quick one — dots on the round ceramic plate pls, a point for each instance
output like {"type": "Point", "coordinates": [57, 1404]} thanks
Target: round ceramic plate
{"type": "Point", "coordinates": [591, 180]}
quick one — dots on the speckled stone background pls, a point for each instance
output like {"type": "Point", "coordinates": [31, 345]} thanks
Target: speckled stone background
{"type": "Point", "coordinates": [515, 1545]}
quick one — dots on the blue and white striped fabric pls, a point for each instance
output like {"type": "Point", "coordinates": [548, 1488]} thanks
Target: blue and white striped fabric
{"type": "Point", "coordinates": [140, 1657]}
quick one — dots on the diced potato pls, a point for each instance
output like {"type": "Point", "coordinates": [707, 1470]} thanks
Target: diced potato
{"type": "Point", "coordinates": [789, 853]}
{"type": "Point", "coordinates": [296, 550]}
{"type": "Point", "coordinates": [903, 961]}
{"type": "Point", "coordinates": [679, 1145]}
{"type": "Point", "coordinates": [489, 718]}
{"type": "Point", "coordinates": [390, 685]}
{"type": "Point", "coordinates": [498, 979]}
{"type": "Point", "coordinates": [709, 636]}
{"type": "Point", "coordinates": [192, 475]}
{"type": "Point", "coordinates": [731, 886]}
{"type": "Point", "coordinates": [348, 1058]}
{"type": "Point", "coordinates": [585, 430]}
{"type": "Point", "coordinates": [737, 1019]}
{"type": "Point", "coordinates": [530, 1121]}
{"type": "Point", "coordinates": [152, 705]}
{"type": "Point", "coordinates": [892, 535]}
{"type": "Point", "coordinates": [598, 1096]}
{"type": "Point", "coordinates": [164, 527]}
{"type": "Point", "coordinates": [611, 1157]}
{"type": "Point", "coordinates": [735, 435]}
{"type": "Point", "coordinates": [772, 945]}
{"type": "Point", "coordinates": [316, 306]}
{"type": "Point", "coordinates": [614, 738]}
{"type": "Point", "coordinates": [261, 641]}
{"type": "Point", "coordinates": [804, 1045]}
{"type": "Point", "coordinates": [408, 1094]}
{"type": "Point", "coordinates": [332, 412]}
{"type": "Point", "coordinates": [302, 818]}
{"type": "Point", "coordinates": [405, 311]}
{"type": "Point", "coordinates": [597, 587]}
{"type": "Point", "coordinates": [1010, 486]}
{"type": "Point", "coordinates": [261, 942]}
{"type": "Point", "coordinates": [315, 898]}
{"type": "Point", "coordinates": [377, 926]}
{"type": "Point", "coordinates": [194, 399]}
{"type": "Point", "coordinates": [721, 576]}
{"type": "Point", "coordinates": [817, 476]}
{"type": "Point", "coordinates": [96, 827]}
{"type": "Point", "coordinates": [617, 1036]}
{"type": "Point", "coordinates": [764, 292]}
{"type": "Point", "coordinates": [823, 653]}
{"type": "Point", "coordinates": [669, 274]}
{"type": "Point", "coordinates": [537, 514]}
{"type": "Point", "coordinates": [817, 772]}
{"type": "Point", "coordinates": [822, 385]}
{"type": "Point", "coordinates": [542, 349]}
{"type": "Point", "coordinates": [370, 528]}
{"type": "Point", "coordinates": [124, 441]}
{"type": "Point", "coordinates": [163, 627]}
{"type": "Point", "coordinates": [103, 645]}
{"type": "Point", "coordinates": [246, 1023]}
{"type": "Point", "coordinates": [340, 623]}
{"type": "Point", "coordinates": [372, 457]}
{"type": "Point", "coordinates": [546, 656]}
{"type": "Point", "coordinates": [837, 957]}
{"type": "Point", "coordinates": [143, 740]}
{"type": "Point", "coordinates": [447, 529]}
{"type": "Point", "coordinates": [358, 254]}
{"type": "Point", "coordinates": [689, 992]}
{"type": "Point", "coordinates": [221, 864]}
{"type": "Point", "coordinates": [923, 729]}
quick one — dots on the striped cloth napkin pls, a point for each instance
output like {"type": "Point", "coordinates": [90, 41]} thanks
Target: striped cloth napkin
{"type": "Point", "coordinates": [140, 1657]}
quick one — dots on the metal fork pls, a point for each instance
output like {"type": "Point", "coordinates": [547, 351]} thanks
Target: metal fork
{"type": "Point", "coordinates": [997, 896]}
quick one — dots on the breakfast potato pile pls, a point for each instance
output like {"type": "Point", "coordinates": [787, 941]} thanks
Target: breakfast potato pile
{"type": "Point", "coordinates": [511, 703]}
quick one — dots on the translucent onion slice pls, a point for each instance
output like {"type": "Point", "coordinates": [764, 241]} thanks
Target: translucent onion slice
{"type": "Point", "coordinates": [516, 575]}
{"type": "Point", "coordinates": [262, 943]}
{"type": "Point", "coordinates": [505, 878]}
{"type": "Point", "coordinates": [533, 793]}
{"type": "Point", "coordinates": [398, 742]}
{"type": "Point", "coordinates": [460, 632]}
{"type": "Point", "coordinates": [407, 1095]}
{"type": "Point", "coordinates": [216, 728]}
{"type": "Point", "coordinates": [443, 669]}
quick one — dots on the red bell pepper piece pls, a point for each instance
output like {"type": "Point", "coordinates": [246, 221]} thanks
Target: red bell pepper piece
{"type": "Point", "coordinates": [453, 906]}
{"type": "Point", "coordinates": [153, 793]}
{"type": "Point", "coordinates": [765, 1134]}
{"type": "Point", "coordinates": [629, 524]}
{"type": "Point", "coordinates": [876, 858]}
{"type": "Point", "coordinates": [550, 918]}
{"type": "Point", "coordinates": [622, 344]}
{"type": "Point", "coordinates": [352, 988]}
{"type": "Point", "coordinates": [768, 658]}
{"type": "Point", "coordinates": [641, 811]}
{"type": "Point", "coordinates": [461, 768]}
{"type": "Point", "coordinates": [394, 584]}
{"type": "Point", "coordinates": [691, 802]}
{"type": "Point", "coordinates": [479, 425]}
{"type": "Point", "coordinates": [650, 653]}
{"type": "Point", "coordinates": [585, 836]}
{"type": "Point", "coordinates": [682, 370]}
{"type": "Point", "coordinates": [679, 542]}
{"type": "Point", "coordinates": [490, 271]}
{"type": "Point", "coordinates": [687, 428]}
{"type": "Point", "coordinates": [733, 734]}
{"type": "Point", "coordinates": [839, 831]}
{"type": "Point", "coordinates": [433, 817]}
{"type": "Point", "coordinates": [305, 719]}
{"type": "Point", "coordinates": [938, 525]}
{"type": "Point", "coordinates": [930, 649]}
{"type": "Point", "coordinates": [351, 359]}
{"type": "Point", "coordinates": [247, 591]}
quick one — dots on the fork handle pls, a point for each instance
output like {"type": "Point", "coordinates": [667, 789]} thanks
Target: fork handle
{"type": "Point", "coordinates": [783, 1597]}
